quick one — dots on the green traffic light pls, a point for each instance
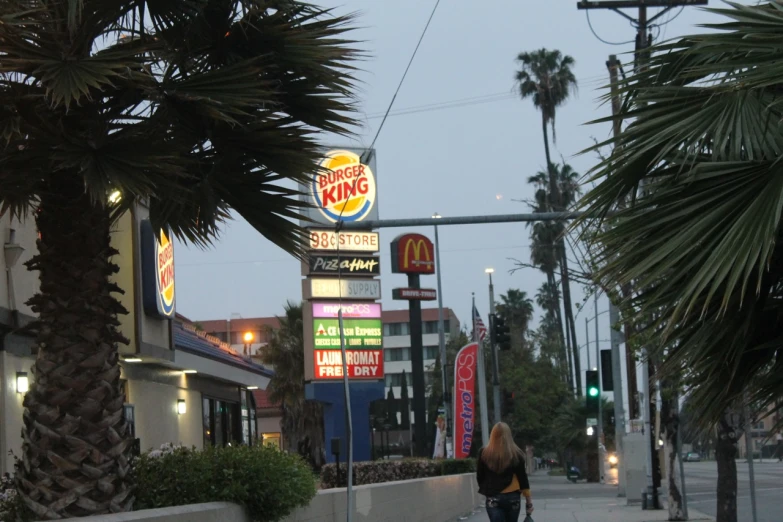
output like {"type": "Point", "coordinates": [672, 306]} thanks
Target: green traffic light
{"type": "Point", "coordinates": [593, 392]}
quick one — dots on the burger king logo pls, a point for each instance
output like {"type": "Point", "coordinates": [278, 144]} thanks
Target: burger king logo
{"type": "Point", "coordinates": [345, 188]}
{"type": "Point", "coordinates": [164, 255]}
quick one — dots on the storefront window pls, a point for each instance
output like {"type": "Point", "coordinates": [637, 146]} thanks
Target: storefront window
{"type": "Point", "coordinates": [245, 419]}
{"type": "Point", "coordinates": [221, 422]}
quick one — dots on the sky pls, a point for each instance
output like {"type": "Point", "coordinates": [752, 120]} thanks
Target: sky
{"type": "Point", "coordinates": [472, 158]}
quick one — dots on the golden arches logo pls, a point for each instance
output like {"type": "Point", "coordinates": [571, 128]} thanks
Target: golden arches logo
{"type": "Point", "coordinates": [417, 245]}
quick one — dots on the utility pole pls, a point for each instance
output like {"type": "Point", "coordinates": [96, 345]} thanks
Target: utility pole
{"type": "Point", "coordinates": [614, 317]}
{"type": "Point", "coordinates": [600, 433]}
{"type": "Point", "coordinates": [643, 23]}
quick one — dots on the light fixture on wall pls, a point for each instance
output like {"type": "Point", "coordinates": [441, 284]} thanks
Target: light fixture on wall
{"type": "Point", "coordinates": [182, 408]}
{"type": "Point", "coordinates": [252, 387]}
{"type": "Point", "coordinates": [131, 360]}
{"type": "Point", "coordinates": [189, 371]}
{"type": "Point", "coordinates": [22, 382]}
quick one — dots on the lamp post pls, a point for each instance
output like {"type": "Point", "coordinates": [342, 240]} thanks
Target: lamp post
{"type": "Point", "coordinates": [248, 338]}
{"type": "Point", "coordinates": [442, 343]}
{"type": "Point", "coordinates": [493, 348]}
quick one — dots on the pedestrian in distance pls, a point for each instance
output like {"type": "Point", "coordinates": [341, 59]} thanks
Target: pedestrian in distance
{"type": "Point", "coordinates": [502, 478]}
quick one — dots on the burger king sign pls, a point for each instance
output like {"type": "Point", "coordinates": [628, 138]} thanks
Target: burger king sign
{"type": "Point", "coordinates": [344, 189]}
{"type": "Point", "coordinates": [157, 272]}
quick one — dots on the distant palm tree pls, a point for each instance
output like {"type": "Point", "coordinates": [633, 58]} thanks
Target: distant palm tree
{"type": "Point", "coordinates": [517, 309]}
{"type": "Point", "coordinates": [546, 77]}
{"type": "Point", "coordinates": [302, 422]}
{"type": "Point", "coordinates": [196, 108]}
{"type": "Point", "coordinates": [548, 250]}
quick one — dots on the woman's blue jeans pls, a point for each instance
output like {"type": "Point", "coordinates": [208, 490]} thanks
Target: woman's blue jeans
{"type": "Point", "coordinates": [504, 507]}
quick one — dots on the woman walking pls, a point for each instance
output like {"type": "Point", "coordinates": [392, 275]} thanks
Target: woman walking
{"type": "Point", "coordinates": [502, 477]}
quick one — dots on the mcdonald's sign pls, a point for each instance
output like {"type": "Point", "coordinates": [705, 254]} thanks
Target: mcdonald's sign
{"type": "Point", "coordinates": [413, 254]}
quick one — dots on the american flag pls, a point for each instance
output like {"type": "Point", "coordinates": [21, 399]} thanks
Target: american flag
{"type": "Point", "coordinates": [478, 324]}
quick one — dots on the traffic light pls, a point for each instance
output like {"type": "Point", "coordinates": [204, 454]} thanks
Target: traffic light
{"type": "Point", "coordinates": [593, 390]}
{"type": "Point", "coordinates": [607, 382]}
{"type": "Point", "coordinates": [501, 335]}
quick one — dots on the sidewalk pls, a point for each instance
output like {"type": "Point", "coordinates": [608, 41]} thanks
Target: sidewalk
{"type": "Point", "coordinates": [589, 510]}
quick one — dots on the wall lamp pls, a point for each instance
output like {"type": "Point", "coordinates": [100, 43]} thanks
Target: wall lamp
{"type": "Point", "coordinates": [22, 382]}
{"type": "Point", "coordinates": [182, 408]}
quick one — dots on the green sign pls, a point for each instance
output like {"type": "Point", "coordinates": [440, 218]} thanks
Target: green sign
{"type": "Point", "coordinates": [359, 333]}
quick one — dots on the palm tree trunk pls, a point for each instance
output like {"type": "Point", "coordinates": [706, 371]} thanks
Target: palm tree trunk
{"type": "Point", "coordinates": [554, 205]}
{"type": "Point", "coordinates": [565, 355]}
{"type": "Point", "coordinates": [670, 425]}
{"type": "Point", "coordinates": [726, 455]}
{"type": "Point", "coordinates": [570, 322]}
{"type": "Point", "coordinates": [76, 442]}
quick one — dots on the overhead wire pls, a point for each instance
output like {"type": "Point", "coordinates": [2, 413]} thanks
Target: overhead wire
{"type": "Point", "coordinates": [592, 30]}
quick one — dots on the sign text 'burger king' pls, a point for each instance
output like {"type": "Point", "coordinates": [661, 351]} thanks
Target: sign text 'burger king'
{"type": "Point", "coordinates": [345, 188]}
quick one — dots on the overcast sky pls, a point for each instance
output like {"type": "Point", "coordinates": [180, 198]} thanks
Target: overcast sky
{"type": "Point", "coordinates": [467, 160]}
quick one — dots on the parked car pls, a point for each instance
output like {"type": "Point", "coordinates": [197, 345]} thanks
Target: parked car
{"type": "Point", "coordinates": [692, 457]}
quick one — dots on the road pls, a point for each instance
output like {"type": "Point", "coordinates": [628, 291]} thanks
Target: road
{"type": "Point", "coordinates": [701, 479]}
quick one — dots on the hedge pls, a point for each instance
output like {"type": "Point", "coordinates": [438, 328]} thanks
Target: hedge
{"type": "Point", "coordinates": [376, 472]}
{"type": "Point", "coordinates": [270, 484]}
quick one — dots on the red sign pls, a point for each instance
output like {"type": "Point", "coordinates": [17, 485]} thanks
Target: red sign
{"type": "Point", "coordinates": [362, 364]}
{"type": "Point", "coordinates": [414, 294]}
{"type": "Point", "coordinates": [413, 254]}
{"type": "Point", "coordinates": [464, 399]}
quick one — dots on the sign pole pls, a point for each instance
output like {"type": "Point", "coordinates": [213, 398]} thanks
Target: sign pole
{"type": "Point", "coordinates": [348, 419]}
{"type": "Point", "coordinates": [442, 346]}
{"type": "Point", "coordinates": [417, 361]}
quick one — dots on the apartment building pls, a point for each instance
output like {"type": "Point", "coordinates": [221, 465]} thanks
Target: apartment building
{"type": "Point", "coordinates": [397, 344]}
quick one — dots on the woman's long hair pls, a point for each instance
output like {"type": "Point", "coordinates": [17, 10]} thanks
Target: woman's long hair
{"type": "Point", "coordinates": [501, 452]}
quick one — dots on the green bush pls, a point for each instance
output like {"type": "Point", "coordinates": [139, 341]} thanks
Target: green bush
{"type": "Point", "coordinates": [377, 472]}
{"type": "Point", "coordinates": [457, 467]}
{"type": "Point", "coordinates": [270, 484]}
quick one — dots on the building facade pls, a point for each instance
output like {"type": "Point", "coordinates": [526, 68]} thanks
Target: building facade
{"type": "Point", "coordinates": [182, 386]}
{"type": "Point", "coordinates": [396, 348]}
{"type": "Point", "coordinates": [397, 345]}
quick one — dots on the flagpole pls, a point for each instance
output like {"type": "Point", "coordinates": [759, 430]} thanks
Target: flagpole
{"type": "Point", "coordinates": [482, 380]}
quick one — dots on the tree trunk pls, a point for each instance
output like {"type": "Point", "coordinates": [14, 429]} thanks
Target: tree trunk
{"type": "Point", "coordinates": [76, 442]}
{"type": "Point", "coordinates": [565, 355]}
{"type": "Point", "coordinates": [670, 426]}
{"type": "Point", "coordinates": [570, 323]}
{"type": "Point", "coordinates": [555, 204]}
{"type": "Point", "coordinates": [726, 455]}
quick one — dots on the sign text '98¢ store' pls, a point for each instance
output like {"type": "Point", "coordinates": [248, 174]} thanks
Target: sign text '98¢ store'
{"type": "Point", "coordinates": [331, 241]}
{"type": "Point", "coordinates": [345, 190]}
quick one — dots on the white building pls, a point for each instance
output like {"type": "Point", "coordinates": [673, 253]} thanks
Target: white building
{"type": "Point", "coordinates": [397, 345]}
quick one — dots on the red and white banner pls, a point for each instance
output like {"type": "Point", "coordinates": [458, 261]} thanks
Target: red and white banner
{"type": "Point", "coordinates": [464, 399]}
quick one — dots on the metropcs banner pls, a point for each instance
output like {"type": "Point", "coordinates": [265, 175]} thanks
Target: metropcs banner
{"type": "Point", "coordinates": [464, 399]}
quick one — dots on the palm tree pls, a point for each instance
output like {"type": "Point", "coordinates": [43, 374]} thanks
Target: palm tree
{"type": "Point", "coordinates": [547, 78]}
{"type": "Point", "coordinates": [302, 422]}
{"type": "Point", "coordinates": [517, 309]}
{"type": "Point", "coordinates": [195, 108]}
{"type": "Point", "coordinates": [548, 250]}
{"type": "Point", "coordinates": [700, 245]}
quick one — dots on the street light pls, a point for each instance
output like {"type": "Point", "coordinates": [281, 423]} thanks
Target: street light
{"type": "Point", "coordinates": [442, 340]}
{"type": "Point", "coordinates": [248, 338]}
{"type": "Point", "coordinates": [495, 368]}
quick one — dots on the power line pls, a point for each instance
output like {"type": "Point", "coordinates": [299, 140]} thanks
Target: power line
{"type": "Point", "coordinates": [410, 62]}
{"type": "Point", "coordinates": [464, 102]}
{"type": "Point", "coordinates": [590, 24]}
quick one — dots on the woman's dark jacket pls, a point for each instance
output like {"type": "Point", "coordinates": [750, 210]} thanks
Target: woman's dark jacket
{"type": "Point", "coordinates": [491, 483]}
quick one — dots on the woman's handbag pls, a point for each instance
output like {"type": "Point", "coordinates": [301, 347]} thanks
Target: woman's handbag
{"type": "Point", "coordinates": [528, 519]}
